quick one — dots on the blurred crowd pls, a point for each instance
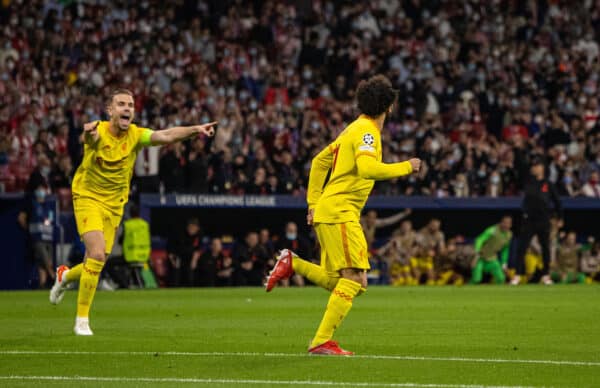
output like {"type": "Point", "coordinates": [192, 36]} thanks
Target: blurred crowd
{"type": "Point", "coordinates": [484, 86]}
{"type": "Point", "coordinates": [408, 257]}
{"type": "Point", "coordinates": [427, 256]}
{"type": "Point", "coordinates": [194, 259]}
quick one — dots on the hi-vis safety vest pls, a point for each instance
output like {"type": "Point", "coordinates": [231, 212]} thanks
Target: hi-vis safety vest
{"type": "Point", "coordinates": [136, 244]}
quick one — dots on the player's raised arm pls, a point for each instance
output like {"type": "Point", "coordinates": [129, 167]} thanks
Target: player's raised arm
{"type": "Point", "coordinates": [175, 134]}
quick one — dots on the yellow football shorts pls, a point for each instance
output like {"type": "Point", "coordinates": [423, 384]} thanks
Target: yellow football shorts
{"type": "Point", "coordinates": [399, 269]}
{"type": "Point", "coordinates": [533, 263]}
{"type": "Point", "coordinates": [422, 263]}
{"type": "Point", "coordinates": [342, 246]}
{"type": "Point", "coordinates": [92, 215]}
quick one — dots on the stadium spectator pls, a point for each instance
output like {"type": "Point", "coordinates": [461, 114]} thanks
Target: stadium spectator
{"type": "Point", "coordinates": [38, 219]}
{"type": "Point", "coordinates": [61, 175]}
{"type": "Point", "coordinates": [146, 170]}
{"type": "Point", "coordinates": [478, 84]}
{"type": "Point", "coordinates": [294, 241]}
{"type": "Point", "coordinates": [250, 260]}
{"type": "Point", "coordinates": [172, 168]}
{"type": "Point", "coordinates": [205, 267]}
{"type": "Point", "coordinates": [591, 188]}
{"type": "Point", "coordinates": [182, 251]}
{"type": "Point", "coordinates": [300, 245]}
{"type": "Point", "coordinates": [264, 239]}
{"type": "Point", "coordinates": [197, 167]}
{"type": "Point", "coordinates": [40, 175]}
{"type": "Point", "coordinates": [482, 89]}
{"type": "Point", "coordinates": [225, 270]}
{"type": "Point", "coordinates": [259, 183]}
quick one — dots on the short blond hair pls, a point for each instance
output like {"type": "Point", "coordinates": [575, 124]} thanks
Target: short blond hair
{"type": "Point", "coordinates": [117, 92]}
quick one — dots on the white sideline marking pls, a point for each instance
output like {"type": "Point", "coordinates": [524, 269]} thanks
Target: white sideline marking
{"type": "Point", "coordinates": [234, 381]}
{"type": "Point", "coordinates": [256, 354]}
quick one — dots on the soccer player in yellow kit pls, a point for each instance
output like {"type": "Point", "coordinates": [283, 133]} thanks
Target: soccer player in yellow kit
{"type": "Point", "coordinates": [353, 161]}
{"type": "Point", "coordinates": [101, 190]}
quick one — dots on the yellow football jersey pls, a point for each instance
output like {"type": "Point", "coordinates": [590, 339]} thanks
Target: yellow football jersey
{"type": "Point", "coordinates": [346, 192]}
{"type": "Point", "coordinates": [107, 166]}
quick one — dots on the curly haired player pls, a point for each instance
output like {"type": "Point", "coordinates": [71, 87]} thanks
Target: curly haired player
{"type": "Point", "coordinates": [353, 162]}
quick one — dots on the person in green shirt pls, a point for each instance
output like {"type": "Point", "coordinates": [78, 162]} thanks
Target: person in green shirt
{"type": "Point", "coordinates": [494, 242]}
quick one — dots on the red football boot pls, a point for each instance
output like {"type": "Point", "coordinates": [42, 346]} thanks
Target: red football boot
{"type": "Point", "coordinates": [282, 270]}
{"type": "Point", "coordinates": [330, 348]}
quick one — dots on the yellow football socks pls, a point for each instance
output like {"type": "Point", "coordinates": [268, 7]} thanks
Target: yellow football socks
{"type": "Point", "coordinates": [74, 273]}
{"type": "Point", "coordinates": [338, 307]}
{"type": "Point", "coordinates": [87, 286]}
{"type": "Point", "coordinates": [314, 273]}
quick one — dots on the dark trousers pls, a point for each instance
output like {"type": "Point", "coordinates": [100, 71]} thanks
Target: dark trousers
{"type": "Point", "coordinates": [541, 229]}
{"type": "Point", "coordinates": [118, 270]}
{"type": "Point", "coordinates": [254, 277]}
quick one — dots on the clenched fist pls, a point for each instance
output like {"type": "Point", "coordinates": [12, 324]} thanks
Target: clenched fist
{"type": "Point", "coordinates": [415, 163]}
{"type": "Point", "coordinates": [90, 132]}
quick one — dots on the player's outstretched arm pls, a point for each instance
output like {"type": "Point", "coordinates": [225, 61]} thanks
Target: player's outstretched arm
{"type": "Point", "coordinates": [175, 134]}
{"type": "Point", "coordinates": [369, 168]}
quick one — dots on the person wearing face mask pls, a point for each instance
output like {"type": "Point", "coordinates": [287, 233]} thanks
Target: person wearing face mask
{"type": "Point", "coordinates": [540, 202]}
{"type": "Point", "coordinates": [38, 219]}
{"type": "Point", "coordinates": [568, 186]}
{"type": "Point", "coordinates": [41, 174]}
{"type": "Point", "coordinates": [495, 185]}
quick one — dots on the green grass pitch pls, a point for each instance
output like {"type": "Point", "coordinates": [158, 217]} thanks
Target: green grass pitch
{"type": "Point", "coordinates": [531, 336]}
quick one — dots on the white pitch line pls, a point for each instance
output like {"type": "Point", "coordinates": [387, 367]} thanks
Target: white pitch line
{"type": "Point", "coordinates": [244, 381]}
{"type": "Point", "coordinates": [279, 355]}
